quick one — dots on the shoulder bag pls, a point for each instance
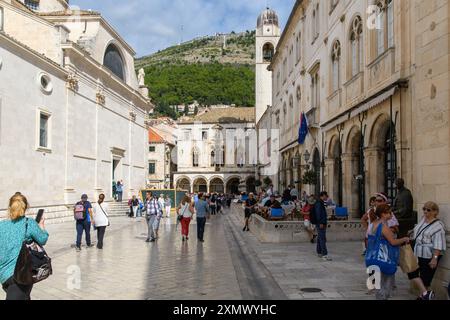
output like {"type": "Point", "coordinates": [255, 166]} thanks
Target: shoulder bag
{"type": "Point", "coordinates": [381, 253]}
{"type": "Point", "coordinates": [33, 264]}
{"type": "Point", "coordinates": [107, 217]}
{"type": "Point", "coordinates": [413, 242]}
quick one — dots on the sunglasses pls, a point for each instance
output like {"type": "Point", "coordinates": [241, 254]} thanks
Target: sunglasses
{"type": "Point", "coordinates": [427, 209]}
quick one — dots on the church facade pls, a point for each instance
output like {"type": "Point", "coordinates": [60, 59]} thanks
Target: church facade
{"type": "Point", "coordinates": [72, 112]}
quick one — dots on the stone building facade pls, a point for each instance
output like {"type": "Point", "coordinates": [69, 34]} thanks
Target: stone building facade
{"type": "Point", "coordinates": [372, 79]}
{"type": "Point", "coordinates": [72, 118]}
{"type": "Point", "coordinates": [217, 152]}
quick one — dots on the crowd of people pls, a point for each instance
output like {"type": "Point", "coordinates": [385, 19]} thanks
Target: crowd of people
{"type": "Point", "coordinates": [381, 223]}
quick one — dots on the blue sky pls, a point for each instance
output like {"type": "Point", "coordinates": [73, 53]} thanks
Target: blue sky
{"type": "Point", "coordinates": [151, 25]}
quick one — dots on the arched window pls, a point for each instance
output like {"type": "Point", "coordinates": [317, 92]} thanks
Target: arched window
{"type": "Point", "coordinates": [357, 46]}
{"type": "Point", "coordinates": [381, 28]}
{"type": "Point", "coordinates": [335, 59]}
{"type": "Point", "coordinates": [291, 110]}
{"type": "Point", "coordinates": [213, 158]}
{"type": "Point", "coordinates": [298, 47]}
{"type": "Point", "coordinates": [313, 26]}
{"type": "Point", "coordinates": [385, 26]}
{"type": "Point", "coordinates": [195, 158]}
{"type": "Point", "coordinates": [268, 52]}
{"type": "Point", "coordinates": [114, 62]}
{"type": "Point", "coordinates": [1, 19]}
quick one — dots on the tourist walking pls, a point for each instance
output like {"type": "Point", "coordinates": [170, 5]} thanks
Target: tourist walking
{"type": "Point", "coordinates": [119, 190]}
{"type": "Point", "coordinates": [321, 222]}
{"type": "Point", "coordinates": [367, 220]}
{"type": "Point", "coordinates": [306, 211]}
{"type": "Point", "coordinates": [430, 244]}
{"type": "Point", "coordinates": [168, 205]}
{"type": "Point", "coordinates": [114, 188]}
{"type": "Point", "coordinates": [134, 206]}
{"type": "Point", "coordinates": [153, 209]}
{"type": "Point", "coordinates": [379, 230]}
{"type": "Point", "coordinates": [403, 202]}
{"type": "Point", "coordinates": [201, 212]}
{"type": "Point", "coordinates": [250, 208]}
{"type": "Point", "coordinates": [270, 191]}
{"type": "Point", "coordinates": [101, 219]}
{"type": "Point", "coordinates": [84, 219]}
{"type": "Point", "coordinates": [294, 193]}
{"type": "Point", "coordinates": [212, 204]}
{"type": "Point", "coordinates": [162, 201]}
{"type": "Point", "coordinates": [185, 211]}
{"type": "Point", "coordinates": [13, 232]}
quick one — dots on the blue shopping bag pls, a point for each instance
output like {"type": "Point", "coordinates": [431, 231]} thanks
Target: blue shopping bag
{"type": "Point", "coordinates": [381, 253]}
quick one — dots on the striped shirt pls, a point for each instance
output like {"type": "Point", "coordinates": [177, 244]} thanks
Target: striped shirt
{"type": "Point", "coordinates": [433, 238]}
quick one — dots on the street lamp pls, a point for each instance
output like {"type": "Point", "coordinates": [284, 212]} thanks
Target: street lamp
{"type": "Point", "coordinates": [307, 156]}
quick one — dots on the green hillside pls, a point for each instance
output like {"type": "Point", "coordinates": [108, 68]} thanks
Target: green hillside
{"type": "Point", "coordinates": [204, 71]}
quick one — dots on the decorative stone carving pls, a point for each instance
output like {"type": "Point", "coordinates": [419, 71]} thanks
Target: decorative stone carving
{"type": "Point", "coordinates": [141, 77]}
{"type": "Point", "coordinates": [132, 116]}
{"type": "Point", "coordinates": [72, 81]}
{"type": "Point", "coordinates": [100, 97]}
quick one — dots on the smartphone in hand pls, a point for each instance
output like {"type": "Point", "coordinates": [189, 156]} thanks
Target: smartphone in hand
{"type": "Point", "coordinates": [39, 215]}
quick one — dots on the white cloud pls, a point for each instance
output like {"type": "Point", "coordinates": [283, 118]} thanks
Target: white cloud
{"type": "Point", "coordinates": [151, 25]}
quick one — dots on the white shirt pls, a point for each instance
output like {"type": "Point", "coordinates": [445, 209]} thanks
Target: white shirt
{"type": "Point", "coordinates": [100, 217]}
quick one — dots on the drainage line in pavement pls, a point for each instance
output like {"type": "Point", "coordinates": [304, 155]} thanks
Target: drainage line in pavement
{"type": "Point", "coordinates": [255, 280]}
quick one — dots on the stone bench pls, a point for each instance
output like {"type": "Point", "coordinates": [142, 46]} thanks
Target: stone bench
{"type": "Point", "coordinates": [295, 231]}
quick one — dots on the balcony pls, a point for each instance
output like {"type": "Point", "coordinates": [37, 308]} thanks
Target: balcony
{"type": "Point", "coordinates": [354, 88]}
{"type": "Point", "coordinates": [313, 117]}
{"type": "Point", "coordinates": [382, 68]}
{"type": "Point", "coordinates": [334, 102]}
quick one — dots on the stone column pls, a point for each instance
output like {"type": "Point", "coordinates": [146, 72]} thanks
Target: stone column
{"type": "Point", "coordinates": [374, 170]}
{"type": "Point", "coordinates": [329, 183]}
{"type": "Point", "coordinates": [349, 185]}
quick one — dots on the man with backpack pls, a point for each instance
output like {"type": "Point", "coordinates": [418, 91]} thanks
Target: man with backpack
{"type": "Point", "coordinates": [84, 218]}
{"type": "Point", "coordinates": [320, 219]}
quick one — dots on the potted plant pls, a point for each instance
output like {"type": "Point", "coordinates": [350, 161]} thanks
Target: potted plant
{"type": "Point", "coordinates": [267, 181]}
{"type": "Point", "coordinates": [309, 177]}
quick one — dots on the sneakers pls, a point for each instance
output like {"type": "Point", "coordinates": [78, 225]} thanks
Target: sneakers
{"type": "Point", "coordinates": [427, 296]}
{"type": "Point", "coordinates": [326, 258]}
{"type": "Point", "coordinates": [78, 249]}
{"type": "Point", "coordinates": [320, 255]}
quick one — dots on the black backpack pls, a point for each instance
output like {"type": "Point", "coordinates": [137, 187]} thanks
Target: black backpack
{"type": "Point", "coordinates": [313, 215]}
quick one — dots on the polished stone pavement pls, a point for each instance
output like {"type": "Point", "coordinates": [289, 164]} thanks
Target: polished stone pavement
{"type": "Point", "coordinates": [229, 265]}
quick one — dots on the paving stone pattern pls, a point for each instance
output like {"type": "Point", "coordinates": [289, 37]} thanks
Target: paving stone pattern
{"type": "Point", "coordinates": [229, 265]}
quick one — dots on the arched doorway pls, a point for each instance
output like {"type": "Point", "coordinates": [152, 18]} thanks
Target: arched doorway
{"type": "Point", "coordinates": [382, 152]}
{"type": "Point", "coordinates": [355, 180]}
{"type": "Point", "coordinates": [216, 186]}
{"type": "Point", "coordinates": [233, 186]}
{"type": "Point", "coordinates": [336, 155]}
{"type": "Point", "coordinates": [184, 185]}
{"type": "Point", "coordinates": [316, 167]}
{"type": "Point", "coordinates": [200, 185]}
{"type": "Point", "coordinates": [390, 162]}
{"type": "Point", "coordinates": [250, 184]}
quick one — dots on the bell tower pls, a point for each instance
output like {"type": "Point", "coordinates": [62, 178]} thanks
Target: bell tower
{"type": "Point", "coordinates": [267, 37]}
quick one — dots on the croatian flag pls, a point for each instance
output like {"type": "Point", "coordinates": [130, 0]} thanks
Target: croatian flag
{"type": "Point", "coordinates": [303, 131]}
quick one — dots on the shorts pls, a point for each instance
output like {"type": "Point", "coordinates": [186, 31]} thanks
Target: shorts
{"type": "Point", "coordinates": [308, 225]}
{"type": "Point", "coordinates": [248, 213]}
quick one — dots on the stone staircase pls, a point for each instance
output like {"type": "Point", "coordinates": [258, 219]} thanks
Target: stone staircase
{"type": "Point", "coordinates": [118, 209]}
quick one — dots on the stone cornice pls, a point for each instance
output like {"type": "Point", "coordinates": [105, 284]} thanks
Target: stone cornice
{"type": "Point", "coordinates": [108, 79]}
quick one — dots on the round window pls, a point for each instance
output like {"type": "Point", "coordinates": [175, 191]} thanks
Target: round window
{"type": "Point", "coordinates": [45, 83]}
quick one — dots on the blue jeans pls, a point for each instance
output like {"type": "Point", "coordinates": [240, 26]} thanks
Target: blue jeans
{"type": "Point", "coordinates": [200, 227]}
{"type": "Point", "coordinates": [85, 226]}
{"type": "Point", "coordinates": [321, 241]}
